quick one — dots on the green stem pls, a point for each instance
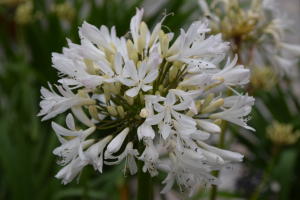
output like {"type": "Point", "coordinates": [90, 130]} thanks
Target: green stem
{"type": "Point", "coordinates": [144, 179]}
{"type": "Point", "coordinates": [265, 178]}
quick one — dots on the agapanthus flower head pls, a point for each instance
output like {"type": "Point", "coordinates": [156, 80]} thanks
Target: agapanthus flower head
{"type": "Point", "coordinates": [144, 89]}
{"type": "Point", "coordinates": [260, 27]}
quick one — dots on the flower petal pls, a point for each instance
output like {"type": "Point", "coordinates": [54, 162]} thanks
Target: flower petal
{"type": "Point", "coordinates": [151, 76]}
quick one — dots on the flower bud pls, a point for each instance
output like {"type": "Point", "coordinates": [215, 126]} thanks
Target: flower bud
{"type": "Point", "coordinates": [121, 111]}
{"type": "Point", "coordinates": [217, 122]}
{"type": "Point", "coordinates": [143, 31]}
{"type": "Point", "coordinates": [118, 87]}
{"type": "Point", "coordinates": [144, 113]}
{"type": "Point", "coordinates": [190, 113]}
{"type": "Point", "coordinates": [157, 93]}
{"type": "Point", "coordinates": [129, 99]}
{"type": "Point", "coordinates": [113, 46]}
{"type": "Point", "coordinates": [90, 66]}
{"type": "Point", "coordinates": [129, 46]}
{"type": "Point", "coordinates": [160, 36]}
{"type": "Point", "coordinates": [160, 89]}
{"type": "Point", "coordinates": [117, 142]}
{"type": "Point", "coordinates": [138, 65]}
{"type": "Point", "coordinates": [141, 45]}
{"type": "Point", "coordinates": [137, 117]}
{"type": "Point", "coordinates": [112, 110]}
{"type": "Point", "coordinates": [112, 62]}
{"type": "Point", "coordinates": [82, 94]}
{"type": "Point", "coordinates": [178, 65]}
{"type": "Point", "coordinates": [213, 106]}
{"type": "Point", "coordinates": [96, 90]}
{"type": "Point", "coordinates": [208, 126]}
{"type": "Point", "coordinates": [94, 112]}
{"type": "Point", "coordinates": [106, 92]}
{"type": "Point", "coordinates": [154, 35]}
{"type": "Point", "coordinates": [134, 57]}
{"type": "Point", "coordinates": [165, 45]}
{"type": "Point", "coordinates": [112, 88]}
{"type": "Point", "coordinates": [207, 100]}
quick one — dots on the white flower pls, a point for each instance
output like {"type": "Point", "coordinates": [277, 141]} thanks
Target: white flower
{"type": "Point", "coordinates": [96, 153]}
{"type": "Point", "coordinates": [225, 154]}
{"type": "Point", "coordinates": [146, 130]}
{"type": "Point", "coordinates": [212, 46]}
{"type": "Point", "coordinates": [178, 173]}
{"type": "Point", "coordinates": [150, 157]}
{"type": "Point", "coordinates": [168, 110]}
{"type": "Point", "coordinates": [129, 153]}
{"type": "Point", "coordinates": [71, 148]}
{"type": "Point", "coordinates": [234, 75]}
{"type": "Point", "coordinates": [232, 100]}
{"type": "Point", "coordinates": [285, 64]}
{"type": "Point", "coordinates": [117, 142]}
{"type": "Point", "coordinates": [53, 104]}
{"type": "Point", "coordinates": [198, 80]}
{"type": "Point", "coordinates": [236, 113]}
{"type": "Point", "coordinates": [68, 172]}
{"type": "Point", "coordinates": [139, 80]}
{"type": "Point", "coordinates": [97, 36]}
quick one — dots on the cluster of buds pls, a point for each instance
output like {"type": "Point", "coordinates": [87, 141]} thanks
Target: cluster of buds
{"type": "Point", "coordinates": [145, 89]}
{"type": "Point", "coordinates": [64, 11]}
{"type": "Point", "coordinates": [259, 28]}
{"type": "Point", "coordinates": [263, 77]}
{"type": "Point", "coordinates": [282, 134]}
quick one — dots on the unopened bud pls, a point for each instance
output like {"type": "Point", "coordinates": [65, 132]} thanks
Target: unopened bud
{"type": "Point", "coordinates": [106, 92]}
{"type": "Point", "coordinates": [96, 90]}
{"type": "Point", "coordinates": [117, 142]}
{"type": "Point", "coordinates": [161, 36]}
{"type": "Point", "coordinates": [112, 110]}
{"type": "Point", "coordinates": [154, 35]}
{"type": "Point", "coordinates": [217, 122]}
{"type": "Point", "coordinates": [138, 65]}
{"type": "Point", "coordinates": [144, 113]}
{"type": "Point", "coordinates": [147, 58]}
{"type": "Point", "coordinates": [165, 45]}
{"type": "Point", "coordinates": [112, 88]}
{"type": "Point", "coordinates": [113, 46]}
{"type": "Point", "coordinates": [207, 100]}
{"type": "Point", "coordinates": [90, 66]}
{"type": "Point", "coordinates": [112, 62]}
{"type": "Point", "coordinates": [160, 89]}
{"type": "Point", "coordinates": [134, 57]}
{"type": "Point", "coordinates": [213, 106]}
{"type": "Point", "coordinates": [137, 117]}
{"type": "Point", "coordinates": [208, 126]}
{"type": "Point", "coordinates": [94, 112]}
{"type": "Point", "coordinates": [150, 91]}
{"type": "Point", "coordinates": [82, 94]}
{"type": "Point", "coordinates": [178, 64]}
{"type": "Point", "coordinates": [141, 45]}
{"type": "Point", "coordinates": [129, 99]}
{"type": "Point", "coordinates": [143, 31]}
{"type": "Point", "coordinates": [118, 87]}
{"type": "Point", "coordinates": [157, 93]}
{"type": "Point", "coordinates": [121, 111]}
{"type": "Point", "coordinates": [129, 46]}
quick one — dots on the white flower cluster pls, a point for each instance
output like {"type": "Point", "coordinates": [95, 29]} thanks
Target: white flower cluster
{"type": "Point", "coordinates": [143, 89]}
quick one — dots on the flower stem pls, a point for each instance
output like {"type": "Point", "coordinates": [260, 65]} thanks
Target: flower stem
{"type": "Point", "coordinates": [144, 179]}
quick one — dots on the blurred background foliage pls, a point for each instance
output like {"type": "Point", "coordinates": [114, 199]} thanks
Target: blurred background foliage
{"type": "Point", "coordinates": [32, 30]}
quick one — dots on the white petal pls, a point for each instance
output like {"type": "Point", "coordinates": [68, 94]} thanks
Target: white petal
{"type": "Point", "coordinates": [155, 119]}
{"type": "Point", "coordinates": [142, 70]}
{"type": "Point", "coordinates": [151, 76]}
{"type": "Point", "coordinates": [133, 91]}
{"type": "Point", "coordinates": [145, 88]}
{"type": "Point", "coordinates": [170, 100]}
{"type": "Point", "coordinates": [127, 81]}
